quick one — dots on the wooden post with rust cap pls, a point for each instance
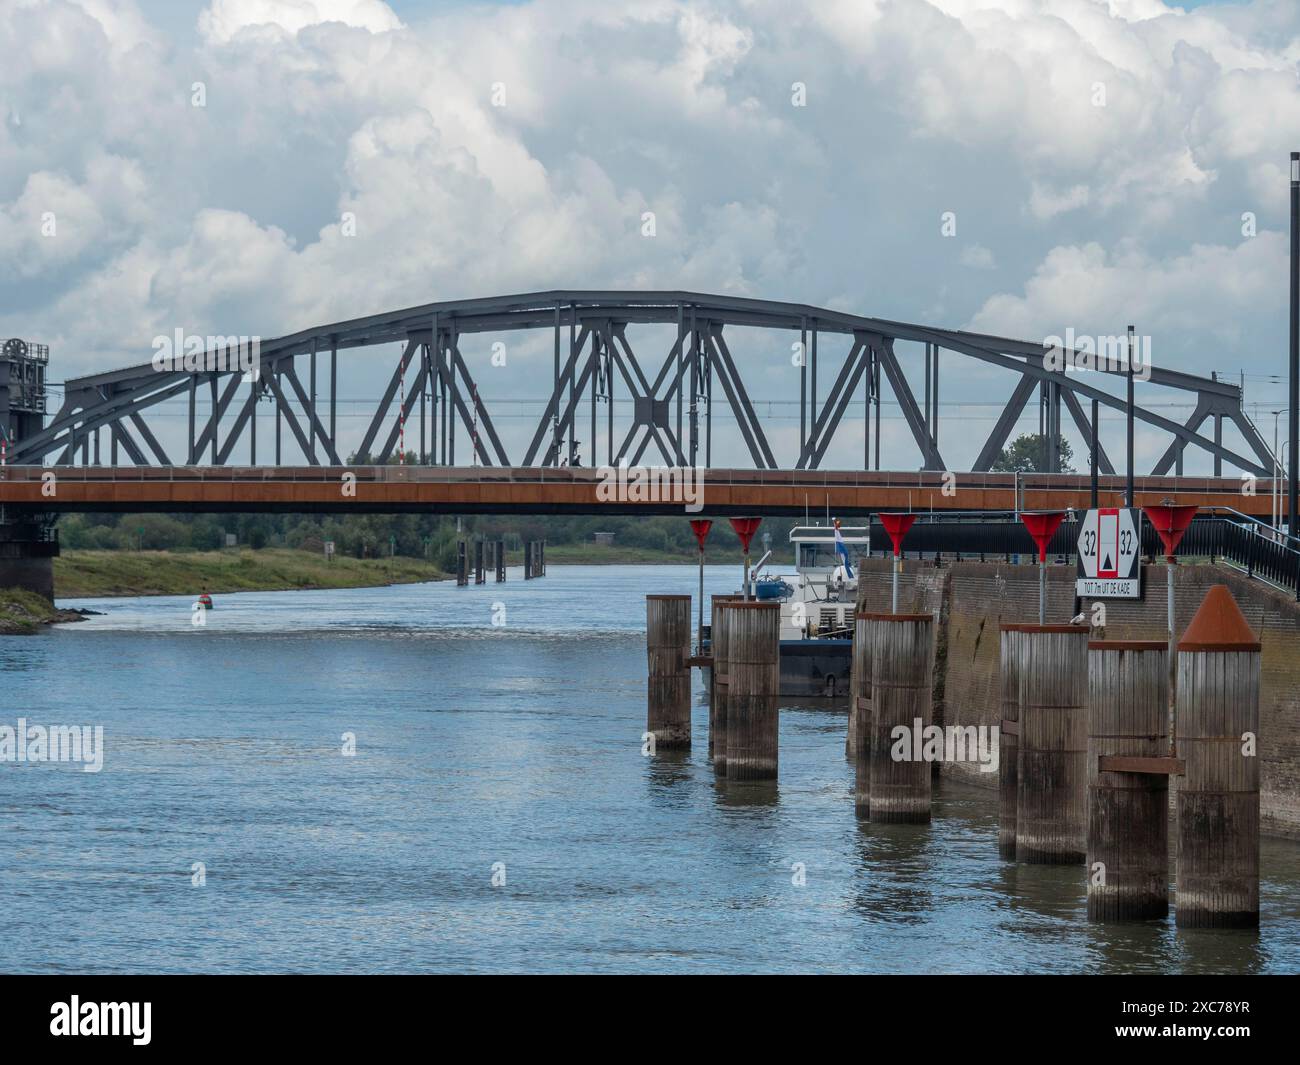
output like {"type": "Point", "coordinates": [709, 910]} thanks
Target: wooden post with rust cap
{"type": "Point", "coordinates": [1217, 708]}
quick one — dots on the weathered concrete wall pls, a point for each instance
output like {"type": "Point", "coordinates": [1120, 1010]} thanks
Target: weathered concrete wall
{"type": "Point", "coordinates": [32, 574]}
{"type": "Point", "coordinates": [971, 599]}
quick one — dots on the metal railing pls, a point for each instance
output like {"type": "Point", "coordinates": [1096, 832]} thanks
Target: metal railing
{"type": "Point", "coordinates": [1264, 553]}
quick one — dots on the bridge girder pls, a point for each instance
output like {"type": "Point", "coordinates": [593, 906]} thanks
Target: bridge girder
{"type": "Point", "coordinates": [672, 411]}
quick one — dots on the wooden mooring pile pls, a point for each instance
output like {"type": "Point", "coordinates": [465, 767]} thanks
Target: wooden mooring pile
{"type": "Point", "coordinates": [489, 557]}
{"type": "Point", "coordinates": [1087, 745]}
{"type": "Point", "coordinates": [1086, 765]}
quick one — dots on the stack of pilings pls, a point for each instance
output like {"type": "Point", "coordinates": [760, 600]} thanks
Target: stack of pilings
{"type": "Point", "coordinates": [499, 558]}
{"type": "Point", "coordinates": [1085, 763]}
{"type": "Point", "coordinates": [1008, 739]}
{"type": "Point", "coordinates": [718, 681]}
{"type": "Point", "coordinates": [668, 688]}
{"type": "Point", "coordinates": [1052, 745]}
{"type": "Point", "coordinates": [1128, 812]}
{"type": "Point", "coordinates": [890, 709]}
{"type": "Point", "coordinates": [744, 688]}
{"type": "Point", "coordinates": [462, 563]}
{"type": "Point", "coordinates": [480, 567]}
{"type": "Point", "coordinates": [1042, 745]}
{"type": "Point", "coordinates": [859, 683]}
{"type": "Point", "coordinates": [753, 670]}
{"type": "Point", "coordinates": [534, 559]}
{"type": "Point", "coordinates": [1217, 717]}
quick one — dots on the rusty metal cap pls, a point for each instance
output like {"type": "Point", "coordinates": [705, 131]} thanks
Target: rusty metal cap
{"type": "Point", "coordinates": [1219, 625]}
{"type": "Point", "coordinates": [668, 597]}
{"type": "Point", "coordinates": [749, 605]}
{"type": "Point", "coordinates": [1078, 630]}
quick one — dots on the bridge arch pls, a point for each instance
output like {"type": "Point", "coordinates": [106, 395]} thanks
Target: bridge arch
{"type": "Point", "coordinates": [673, 391]}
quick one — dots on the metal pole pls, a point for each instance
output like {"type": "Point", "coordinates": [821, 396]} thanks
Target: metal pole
{"type": "Point", "coordinates": [1093, 470]}
{"type": "Point", "coordinates": [1042, 591]}
{"type": "Point", "coordinates": [1128, 482]}
{"type": "Point", "coordinates": [1294, 394]}
{"type": "Point", "coordinates": [699, 642]}
{"type": "Point", "coordinates": [746, 585]}
{"type": "Point", "coordinates": [893, 597]}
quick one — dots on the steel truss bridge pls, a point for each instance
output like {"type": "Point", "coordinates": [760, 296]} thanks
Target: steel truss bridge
{"type": "Point", "coordinates": [430, 393]}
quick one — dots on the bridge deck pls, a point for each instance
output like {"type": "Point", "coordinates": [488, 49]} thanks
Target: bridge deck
{"type": "Point", "coordinates": [539, 490]}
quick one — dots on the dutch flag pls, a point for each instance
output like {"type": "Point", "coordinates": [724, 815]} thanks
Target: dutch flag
{"type": "Point", "coordinates": [842, 549]}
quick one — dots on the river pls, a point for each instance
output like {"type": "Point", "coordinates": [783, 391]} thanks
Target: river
{"type": "Point", "coordinates": [497, 814]}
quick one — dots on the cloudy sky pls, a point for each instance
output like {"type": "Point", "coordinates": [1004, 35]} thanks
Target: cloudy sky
{"type": "Point", "coordinates": [1104, 160]}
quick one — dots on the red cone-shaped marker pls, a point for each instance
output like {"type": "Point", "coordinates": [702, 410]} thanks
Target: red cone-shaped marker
{"type": "Point", "coordinates": [745, 529]}
{"type": "Point", "coordinates": [1171, 523]}
{"type": "Point", "coordinates": [700, 527]}
{"type": "Point", "coordinates": [1042, 526]}
{"type": "Point", "coordinates": [897, 525]}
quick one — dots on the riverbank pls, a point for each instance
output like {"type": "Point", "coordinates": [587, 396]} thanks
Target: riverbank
{"type": "Point", "coordinates": [80, 574]}
{"type": "Point", "coordinates": [23, 613]}
{"type": "Point", "coordinates": [587, 554]}
{"type": "Point", "coordinates": [91, 574]}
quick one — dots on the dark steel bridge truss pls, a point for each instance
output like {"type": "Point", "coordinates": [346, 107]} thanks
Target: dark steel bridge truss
{"type": "Point", "coordinates": [672, 395]}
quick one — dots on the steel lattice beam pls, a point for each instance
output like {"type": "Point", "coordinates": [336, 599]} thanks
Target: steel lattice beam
{"type": "Point", "coordinates": [599, 352]}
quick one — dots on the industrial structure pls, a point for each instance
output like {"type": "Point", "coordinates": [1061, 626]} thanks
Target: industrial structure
{"type": "Point", "coordinates": [844, 361]}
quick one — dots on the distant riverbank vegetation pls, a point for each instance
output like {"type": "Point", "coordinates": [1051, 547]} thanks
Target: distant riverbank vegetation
{"type": "Point", "coordinates": [429, 539]}
{"type": "Point", "coordinates": [81, 574]}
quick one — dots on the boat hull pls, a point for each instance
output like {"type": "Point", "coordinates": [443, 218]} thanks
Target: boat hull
{"type": "Point", "coordinates": [812, 668]}
{"type": "Point", "coordinates": [816, 667]}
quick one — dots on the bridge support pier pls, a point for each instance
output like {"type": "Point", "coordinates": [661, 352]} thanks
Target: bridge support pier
{"type": "Point", "coordinates": [1128, 810]}
{"type": "Point", "coordinates": [28, 547]}
{"type": "Point", "coordinates": [462, 564]}
{"type": "Point", "coordinates": [754, 683]}
{"type": "Point", "coordinates": [499, 557]}
{"type": "Point", "coordinates": [480, 570]}
{"type": "Point", "coordinates": [668, 688]}
{"type": "Point", "coordinates": [1052, 784]}
{"type": "Point", "coordinates": [902, 661]}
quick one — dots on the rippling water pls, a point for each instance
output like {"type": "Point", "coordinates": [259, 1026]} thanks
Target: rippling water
{"type": "Point", "coordinates": [476, 745]}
